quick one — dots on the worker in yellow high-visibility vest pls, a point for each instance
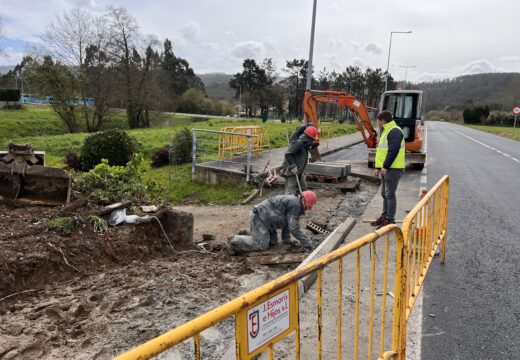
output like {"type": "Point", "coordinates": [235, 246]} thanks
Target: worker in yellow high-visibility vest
{"type": "Point", "coordinates": [389, 164]}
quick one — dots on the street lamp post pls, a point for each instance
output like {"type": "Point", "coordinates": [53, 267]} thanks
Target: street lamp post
{"type": "Point", "coordinates": [390, 49]}
{"type": "Point", "coordinates": [311, 49]}
{"type": "Point", "coordinates": [405, 73]}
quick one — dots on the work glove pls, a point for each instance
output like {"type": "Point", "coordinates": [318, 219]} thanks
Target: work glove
{"type": "Point", "coordinates": [294, 170]}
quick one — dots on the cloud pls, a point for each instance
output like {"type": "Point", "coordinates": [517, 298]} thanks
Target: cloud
{"type": "Point", "coordinates": [191, 31]}
{"type": "Point", "coordinates": [211, 46]}
{"type": "Point", "coordinates": [230, 34]}
{"type": "Point", "coordinates": [513, 59]}
{"type": "Point", "coordinates": [478, 67]}
{"type": "Point", "coordinates": [334, 6]}
{"type": "Point", "coordinates": [354, 45]}
{"type": "Point", "coordinates": [248, 49]}
{"type": "Point", "coordinates": [332, 62]}
{"type": "Point", "coordinates": [10, 56]}
{"type": "Point", "coordinates": [374, 48]}
{"type": "Point", "coordinates": [89, 4]}
{"type": "Point", "coordinates": [271, 44]}
{"type": "Point", "coordinates": [335, 43]}
{"type": "Point", "coordinates": [362, 63]}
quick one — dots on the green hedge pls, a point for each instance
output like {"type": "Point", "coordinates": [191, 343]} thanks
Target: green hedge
{"type": "Point", "coordinates": [9, 95]}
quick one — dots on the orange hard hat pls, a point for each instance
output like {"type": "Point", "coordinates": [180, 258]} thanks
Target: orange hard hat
{"type": "Point", "coordinates": [312, 132]}
{"type": "Point", "coordinates": [309, 199]}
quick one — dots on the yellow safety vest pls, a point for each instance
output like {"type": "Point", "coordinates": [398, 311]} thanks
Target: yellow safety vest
{"type": "Point", "coordinates": [382, 148]}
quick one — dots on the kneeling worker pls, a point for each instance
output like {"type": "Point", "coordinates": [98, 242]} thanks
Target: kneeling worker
{"type": "Point", "coordinates": [280, 212]}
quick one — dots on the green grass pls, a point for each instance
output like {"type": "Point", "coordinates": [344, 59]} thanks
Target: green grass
{"type": "Point", "coordinates": [506, 132]}
{"type": "Point", "coordinates": [177, 186]}
{"type": "Point", "coordinates": [40, 126]}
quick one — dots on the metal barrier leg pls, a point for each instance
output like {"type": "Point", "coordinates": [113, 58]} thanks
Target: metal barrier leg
{"type": "Point", "coordinates": [193, 153]}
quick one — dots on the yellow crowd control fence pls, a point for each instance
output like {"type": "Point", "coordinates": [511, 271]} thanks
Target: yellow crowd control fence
{"type": "Point", "coordinates": [424, 230]}
{"type": "Point", "coordinates": [324, 135]}
{"type": "Point", "coordinates": [232, 141]}
{"type": "Point", "coordinates": [370, 324]}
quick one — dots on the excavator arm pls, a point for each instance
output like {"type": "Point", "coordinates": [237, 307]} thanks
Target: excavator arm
{"type": "Point", "coordinates": [312, 97]}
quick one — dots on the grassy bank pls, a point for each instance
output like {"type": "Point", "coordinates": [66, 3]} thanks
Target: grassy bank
{"type": "Point", "coordinates": [506, 132]}
{"type": "Point", "coordinates": [40, 126]}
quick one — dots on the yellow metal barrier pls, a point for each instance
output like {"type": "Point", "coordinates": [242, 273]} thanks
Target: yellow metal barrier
{"type": "Point", "coordinates": [324, 135]}
{"type": "Point", "coordinates": [231, 145]}
{"type": "Point", "coordinates": [284, 292]}
{"type": "Point", "coordinates": [424, 229]}
{"type": "Point", "coordinates": [277, 302]}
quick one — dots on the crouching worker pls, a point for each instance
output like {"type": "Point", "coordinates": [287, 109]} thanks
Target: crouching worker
{"type": "Point", "coordinates": [280, 212]}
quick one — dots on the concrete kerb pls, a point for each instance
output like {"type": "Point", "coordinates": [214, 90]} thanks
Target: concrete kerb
{"type": "Point", "coordinates": [331, 243]}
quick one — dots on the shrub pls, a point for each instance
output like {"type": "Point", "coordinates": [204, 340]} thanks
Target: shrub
{"type": "Point", "coordinates": [111, 184]}
{"type": "Point", "coordinates": [9, 95]}
{"type": "Point", "coordinates": [160, 158]}
{"type": "Point", "coordinates": [181, 148]}
{"type": "Point", "coordinates": [73, 160]}
{"type": "Point", "coordinates": [114, 145]}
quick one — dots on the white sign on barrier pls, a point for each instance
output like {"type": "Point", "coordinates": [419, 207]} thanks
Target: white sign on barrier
{"type": "Point", "coordinates": [267, 320]}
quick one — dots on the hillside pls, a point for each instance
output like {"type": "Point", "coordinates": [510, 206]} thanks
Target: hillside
{"type": "Point", "coordinates": [499, 90]}
{"type": "Point", "coordinates": [217, 85]}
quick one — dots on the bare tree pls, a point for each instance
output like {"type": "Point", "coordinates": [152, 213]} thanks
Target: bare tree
{"type": "Point", "coordinates": [99, 76]}
{"type": "Point", "coordinates": [123, 36]}
{"type": "Point", "coordinates": [67, 38]}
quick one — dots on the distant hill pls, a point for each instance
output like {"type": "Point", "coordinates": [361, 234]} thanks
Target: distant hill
{"type": "Point", "coordinates": [5, 68]}
{"type": "Point", "coordinates": [499, 90]}
{"type": "Point", "coordinates": [217, 85]}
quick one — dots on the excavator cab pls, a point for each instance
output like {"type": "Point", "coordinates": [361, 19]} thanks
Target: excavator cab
{"type": "Point", "coordinates": [405, 106]}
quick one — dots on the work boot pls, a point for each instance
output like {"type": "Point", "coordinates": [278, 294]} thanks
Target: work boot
{"type": "Point", "coordinates": [378, 221]}
{"type": "Point", "coordinates": [232, 250]}
{"type": "Point", "coordinates": [384, 222]}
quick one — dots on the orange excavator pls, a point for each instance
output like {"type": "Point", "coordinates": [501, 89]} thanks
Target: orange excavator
{"type": "Point", "coordinates": [404, 105]}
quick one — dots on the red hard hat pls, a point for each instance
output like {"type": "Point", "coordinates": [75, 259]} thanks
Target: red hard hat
{"type": "Point", "coordinates": [309, 199]}
{"type": "Point", "coordinates": [312, 132]}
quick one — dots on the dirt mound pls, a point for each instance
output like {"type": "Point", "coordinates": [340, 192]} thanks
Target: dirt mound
{"type": "Point", "coordinates": [37, 254]}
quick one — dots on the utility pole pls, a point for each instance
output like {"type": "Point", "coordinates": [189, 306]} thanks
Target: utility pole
{"type": "Point", "coordinates": [405, 73]}
{"type": "Point", "coordinates": [311, 49]}
{"type": "Point", "coordinates": [390, 49]}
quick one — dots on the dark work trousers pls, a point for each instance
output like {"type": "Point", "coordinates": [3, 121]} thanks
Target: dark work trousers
{"type": "Point", "coordinates": [389, 184]}
{"type": "Point", "coordinates": [291, 186]}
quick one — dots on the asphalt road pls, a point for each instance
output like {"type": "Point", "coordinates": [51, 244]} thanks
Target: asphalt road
{"type": "Point", "coordinates": [471, 305]}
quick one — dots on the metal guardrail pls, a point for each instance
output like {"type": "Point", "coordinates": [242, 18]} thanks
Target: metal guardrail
{"type": "Point", "coordinates": [270, 313]}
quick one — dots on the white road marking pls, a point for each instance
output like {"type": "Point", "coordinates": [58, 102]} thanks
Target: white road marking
{"type": "Point", "coordinates": [423, 180]}
{"type": "Point", "coordinates": [485, 145]}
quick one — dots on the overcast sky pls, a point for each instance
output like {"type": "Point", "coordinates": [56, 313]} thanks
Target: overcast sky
{"type": "Point", "coordinates": [450, 37]}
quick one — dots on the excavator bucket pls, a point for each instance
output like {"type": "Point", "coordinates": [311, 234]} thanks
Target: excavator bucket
{"type": "Point", "coordinates": [24, 177]}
